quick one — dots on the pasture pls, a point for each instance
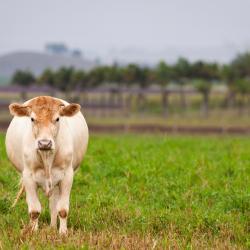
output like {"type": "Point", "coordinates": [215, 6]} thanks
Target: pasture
{"type": "Point", "coordinates": [144, 192]}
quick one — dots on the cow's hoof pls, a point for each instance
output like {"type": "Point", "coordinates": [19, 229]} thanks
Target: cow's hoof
{"type": "Point", "coordinates": [63, 231]}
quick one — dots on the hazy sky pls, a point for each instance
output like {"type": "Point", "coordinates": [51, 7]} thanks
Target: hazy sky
{"type": "Point", "coordinates": [105, 24]}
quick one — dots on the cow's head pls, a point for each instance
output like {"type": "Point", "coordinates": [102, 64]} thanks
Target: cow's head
{"type": "Point", "coordinates": [44, 113]}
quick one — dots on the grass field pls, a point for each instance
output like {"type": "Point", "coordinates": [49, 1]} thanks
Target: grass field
{"type": "Point", "coordinates": [144, 192]}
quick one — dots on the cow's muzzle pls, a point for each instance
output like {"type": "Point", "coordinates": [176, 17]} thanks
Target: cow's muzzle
{"type": "Point", "coordinates": [44, 144]}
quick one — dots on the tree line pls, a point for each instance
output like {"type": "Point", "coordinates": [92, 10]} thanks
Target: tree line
{"type": "Point", "coordinates": [200, 74]}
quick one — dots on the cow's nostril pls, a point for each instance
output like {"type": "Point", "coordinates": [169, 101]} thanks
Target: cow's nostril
{"type": "Point", "coordinates": [50, 144]}
{"type": "Point", "coordinates": [44, 144]}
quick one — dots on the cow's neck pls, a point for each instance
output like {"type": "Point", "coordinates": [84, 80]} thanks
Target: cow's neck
{"type": "Point", "coordinates": [47, 159]}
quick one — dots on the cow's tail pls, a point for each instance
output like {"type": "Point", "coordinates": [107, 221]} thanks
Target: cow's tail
{"type": "Point", "coordinates": [20, 192]}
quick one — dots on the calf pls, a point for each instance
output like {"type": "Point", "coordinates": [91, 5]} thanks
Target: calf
{"type": "Point", "coordinates": [46, 141]}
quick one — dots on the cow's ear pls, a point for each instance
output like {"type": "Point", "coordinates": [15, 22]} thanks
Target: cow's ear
{"type": "Point", "coordinates": [19, 110]}
{"type": "Point", "coordinates": [70, 109]}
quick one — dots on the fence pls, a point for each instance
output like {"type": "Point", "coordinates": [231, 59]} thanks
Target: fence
{"type": "Point", "coordinates": [120, 104]}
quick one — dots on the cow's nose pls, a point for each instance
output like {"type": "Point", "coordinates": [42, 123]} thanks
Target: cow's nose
{"type": "Point", "coordinates": [44, 144]}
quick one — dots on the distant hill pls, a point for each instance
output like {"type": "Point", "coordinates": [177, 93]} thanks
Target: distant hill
{"type": "Point", "coordinates": [4, 80]}
{"type": "Point", "coordinates": [37, 62]}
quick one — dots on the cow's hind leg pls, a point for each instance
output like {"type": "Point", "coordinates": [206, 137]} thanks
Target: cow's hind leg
{"type": "Point", "coordinates": [63, 202]}
{"type": "Point", "coordinates": [53, 200]}
{"type": "Point", "coordinates": [34, 206]}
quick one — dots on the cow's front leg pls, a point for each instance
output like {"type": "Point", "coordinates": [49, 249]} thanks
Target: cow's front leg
{"type": "Point", "coordinates": [34, 206]}
{"type": "Point", "coordinates": [53, 200]}
{"type": "Point", "coordinates": [63, 202]}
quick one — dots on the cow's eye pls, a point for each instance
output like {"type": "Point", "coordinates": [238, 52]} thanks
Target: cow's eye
{"type": "Point", "coordinates": [57, 119]}
{"type": "Point", "coordinates": [32, 119]}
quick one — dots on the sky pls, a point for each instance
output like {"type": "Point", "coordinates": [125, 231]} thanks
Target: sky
{"type": "Point", "coordinates": [214, 29]}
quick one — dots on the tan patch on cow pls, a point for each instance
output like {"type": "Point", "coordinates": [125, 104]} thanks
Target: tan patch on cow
{"type": "Point", "coordinates": [70, 110]}
{"type": "Point", "coordinates": [19, 110]}
{"type": "Point", "coordinates": [63, 213]}
{"type": "Point", "coordinates": [34, 215]}
{"type": "Point", "coordinates": [45, 108]}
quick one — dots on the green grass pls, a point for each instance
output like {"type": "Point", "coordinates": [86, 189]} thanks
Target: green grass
{"type": "Point", "coordinates": [144, 192]}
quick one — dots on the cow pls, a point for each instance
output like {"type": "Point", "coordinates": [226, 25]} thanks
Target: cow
{"type": "Point", "coordinates": [46, 142]}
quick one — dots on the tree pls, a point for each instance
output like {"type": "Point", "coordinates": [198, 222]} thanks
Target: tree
{"type": "Point", "coordinates": [78, 81]}
{"type": "Point", "coordinates": [242, 87]}
{"type": "Point", "coordinates": [96, 77]}
{"type": "Point", "coordinates": [183, 72]}
{"type": "Point", "coordinates": [204, 87]}
{"type": "Point", "coordinates": [48, 78]}
{"type": "Point", "coordinates": [24, 79]}
{"type": "Point", "coordinates": [241, 65]}
{"type": "Point", "coordinates": [205, 74]}
{"type": "Point", "coordinates": [63, 80]}
{"type": "Point", "coordinates": [163, 75]}
{"type": "Point", "coordinates": [130, 76]}
{"type": "Point", "coordinates": [113, 76]}
{"type": "Point", "coordinates": [207, 71]}
{"type": "Point", "coordinates": [239, 68]}
{"type": "Point", "coordinates": [143, 80]}
{"type": "Point", "coordinates": [228, 74]}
